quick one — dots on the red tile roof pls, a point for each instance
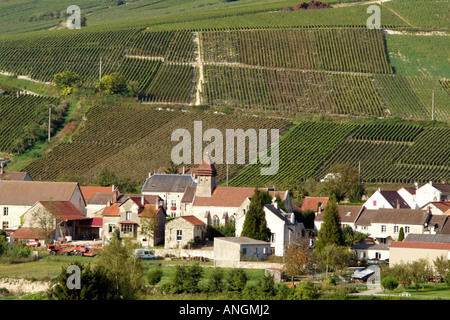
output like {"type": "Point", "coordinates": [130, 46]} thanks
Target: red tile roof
{"type": "Point", "coordinates": [63, 210]}
{"type": "Point", "coordinates": [111, 210]}
{"type": "Point", "coordinates": [225, 197]}
{"type": "Point", "coordinates": [312, 203]}
{"type": "Point", "coordinates": [194, 220]}
{"type": "Point", "coordinates": [89, 191]}
{"type": "Point", "coordinates": [206, 168]}
{"type": "Point", "coordinates": [27, 233]}
{"type": "Point", "coordinates": [421, 245]}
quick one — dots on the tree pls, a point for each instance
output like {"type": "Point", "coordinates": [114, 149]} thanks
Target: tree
{"type": "Point", "coordinates": [149, 220]}
{"type": "Point", "coordinates": [401, 234]}
{"type": "Point", "coordinates": [237, 279]}
{"type": "Point", "coordinates": [186, 279]}
{"type": "Point", "coordinates": [296, 257]}
{"type": "Point", "coordinates": [441, 266]}
{"type": "Point", "coordinates": [330, 232]}
{"type": "Point", "coordinates": [172, 168]}
{"type": "Point", "coordinates": [106, 178]}
{"type": "Point", "coordinates": [419, 272]}
{"type": "Point", "coordinates": [389, 283]}
{"type": "Point", "coordinates": [94, 284]}
{"type": "Point", "coordinates": [351, 236]}
{"type": "Point", "coordinates": [66, 81]}
{"type": "Point", "coordinates": [112, 84]}
{"type": "Point", "coordinates": [216, 281]}
{"type": "Point", "coordinates": [155, 276]}
{"type": "Point", "coordinates": [255, 224]}
{"type": "Point", "coordinates": [345, 183]}
{"type": "Point", "coordinates": [124, 269]}
{"type": "Point", "coordinates": [306, 290]}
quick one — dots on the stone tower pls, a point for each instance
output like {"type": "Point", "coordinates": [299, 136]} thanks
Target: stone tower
{"type": "Point", "coordinates": [206, 177]}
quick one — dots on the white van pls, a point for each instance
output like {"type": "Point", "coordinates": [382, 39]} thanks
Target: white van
{"type": "Point", "coordinates": [144, 254]}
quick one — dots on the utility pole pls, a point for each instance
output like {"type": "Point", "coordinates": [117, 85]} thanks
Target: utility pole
{"type": "Point", "coordinates": [432, 106]}
{"type": "Point", "coordinates": [100, 71]}
{"type": "Point", "coordinates": [49, 119]}
{"type": "Point", "coordinates": [227, 173]}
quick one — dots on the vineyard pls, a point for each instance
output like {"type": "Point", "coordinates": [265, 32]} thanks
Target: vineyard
{"type": "Point", "coordinates": [146, 146]}
{"type": "Point", "coordinates": [384, 153]}
{"type": "Point", "coordinates": [23, 120]}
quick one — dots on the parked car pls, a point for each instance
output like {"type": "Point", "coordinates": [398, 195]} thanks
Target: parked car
{"type": "Point", "coordinates": [34, 244]}
{"type": "Point", "coordinates": [144, 254]}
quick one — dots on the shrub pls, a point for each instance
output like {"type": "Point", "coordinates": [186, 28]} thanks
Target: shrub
{"type": "Point", "coordinates": [237, 279]}
{"type": "Point", "coordinates": [155, 276]}
{"type": "Point", "coordinates": [389, 283]}
{"type": "Point", "coordinates": [306, 290]}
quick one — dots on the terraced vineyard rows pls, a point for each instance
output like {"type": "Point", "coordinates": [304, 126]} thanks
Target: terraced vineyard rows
{"type": "Point", "coordinates": [18, 116]}
{"type": "Point", "coordinates": [303, 150]}
{"type": "Point", "coordinates": [42, 57]}
{"type": "Point", "coordinates": [146, 146]}
{"type": "Point", "coordinates": [332, 49]}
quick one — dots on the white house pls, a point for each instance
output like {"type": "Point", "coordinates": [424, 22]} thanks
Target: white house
{"type": "Point", "coordinates": [409, 195]}
{"type": "Point", "coordinates": [283, 227]}
{"type": "Point", "coordinates": [432, 192]}
{"type": "Point", "coordinates": [16, 197]}
{"type": "Point", "coordinates": [385, 199]}
{"type": "Point", "coordinates": [171, 188]}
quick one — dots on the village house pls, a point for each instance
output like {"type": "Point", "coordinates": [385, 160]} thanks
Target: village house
{"type": "Point", "coordinates": [96, 198]}
{"type": "Point", "coordinates": [12, 175]}
{"type": "Point", "coordinates": [132, 216]}
{"type": "Point", "coordinates": [371, 251]}
{"type": "Point", "coordinates": [386, 199]}
{"type": "Point", "coordinates": [409, 195]}
{"type": "Point", "coordinates": [432, 192]}
{"type": "Point", "coordinates": [348, 215]}
{"type": "Point", "coordinates": [16, 197]}
{"type": "Point", "coordinates": [62, 219]}
{"type": "Point", "coordinates": [283, 227]}
{"type": "Point", "coordinates": [420, 246]}
{"type": "Point", "coordinates": [230, 251]}
{"type": "Point", "coordinates": [314, 204]}
{"type": "Point", "coordinates": [171, 188]}
{"type": "Point", "coordinates": [438, 207]}
{"type": "Point", "coordinates": [184, 230]}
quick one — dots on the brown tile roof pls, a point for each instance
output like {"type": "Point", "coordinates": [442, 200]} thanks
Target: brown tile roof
{"type": "Point", "coordinates": [112, 210]}
{"type": "Point", "coordinates": [443, 187]}
{"type": "Point", "coordinates": [346, 213]}
{"type": "Point", "coordinates": [312, 203]}
{"type": "Point", "coordinates": [421, 245]}
{"type": "Point", "coordinates": [189, 194]}
{"type": "Point", "coordinates": [394, 198]}
{"type": "Point", "coordinates": [29, 192]}
{"type": "Point", "coordinates": [225, 197]}
{"type": "Point", "coordinates": [11, 175]}
{"type": "Point", "coordinates": [411, 190]}
{"type": "Point", "coordinates": [206, 168]}
{"type": "Point", "coordinates": [194, 220]}
{"type": "Point", "coordinates": [63, 210]}
{"type": "Point", "coordinates": [399, 216]}
{"type": "Point", "coordinates": [27, 233]}
{"type": "Point", "coordinates": [444, 206]}
{"type": "Point", "coordinates": [89, 191]}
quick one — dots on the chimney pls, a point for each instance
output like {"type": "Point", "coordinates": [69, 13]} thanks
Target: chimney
{"type": "Point", "coordinates": [115, 196]}
{"type": "Point", "coordinates": [398, 204]}
{"type": "Point", "coordinates": [2, 170]}
{"type": "Point", "coordinates": [142, 200]}
{"type": "Point", "coordinates": [429, 209]}
{"type": "Point", "coordinates": [274, 202]}
{"type": "Point", "coordinates": [149, 174]}
{"type": "Point", "coordinates": [183, 170]}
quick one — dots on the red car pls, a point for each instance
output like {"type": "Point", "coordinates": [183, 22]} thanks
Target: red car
{"type": "Point", "coordinates": [33, 244]}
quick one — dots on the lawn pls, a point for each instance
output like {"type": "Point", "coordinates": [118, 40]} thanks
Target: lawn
{"type": "Point", "coordinates": [430, 291]}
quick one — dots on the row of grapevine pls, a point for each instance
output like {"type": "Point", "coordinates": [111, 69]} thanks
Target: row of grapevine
{"type": "Point", "coordinates": [42, 57]}
{"type": "Point", "coordinates": [145, 147]}
{"type": "Point", "coordinates": [140, 70]}
{"type": "Point", "coordinates": [22, 117]}
{"type": "Point", "coordinates": [290, 90]}
{"type": "Point", "coordinates": [175, 46]}
{"type": "Point", "coordinates": [388, 132]}
{"type": "Point", "coordinates": [173, 83]}
{"type": "Point", "coordinates": [333, 49]}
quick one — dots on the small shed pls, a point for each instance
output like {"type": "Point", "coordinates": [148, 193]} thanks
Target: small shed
{"type": "Point", "coordinates": [229, 251]}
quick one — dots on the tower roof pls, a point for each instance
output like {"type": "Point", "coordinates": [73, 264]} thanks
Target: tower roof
{"type": "Point", "coordinates": [207, 168]}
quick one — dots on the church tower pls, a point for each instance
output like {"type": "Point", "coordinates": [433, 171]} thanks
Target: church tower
{"type": "Point", "coordinates": [206, 177]}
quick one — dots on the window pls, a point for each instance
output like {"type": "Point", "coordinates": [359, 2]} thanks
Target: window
{"type": "Point", "coordinates": [216, 221]}
{"type": "Point", "coordinates": [407, 229]}
{"type": "Point", "coordinates": [179, 235]}
{"type": "Point", "coordinates": [126, 228]}
{"type": "Point", "coordinates": [383, 228]}
{"type": "Point", "coordinates": [128, 215]}
{"type": "Point", "coordinates": [377, 255]}
{"type": "Point", "coordinates": [244, 250]}
{"type": "Point", "coordinates": [111, 228]}
{"type": "Point", "coordinates": [5, 225]}
{"type": "Point", "coordinates": [173, 214]}
{"type": "Point", "coordinates": [272, 237]}
{"type": "Point", "coordinates": [174, 203]}
{"type": "Point", "coordinates": [374, 203]}
{"type": "Point", "coordinates": [5, 211]}
{"type": "Point", "coordinates": [395, 229]}
{"type": "Point", "coordinates": [233, 220]}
